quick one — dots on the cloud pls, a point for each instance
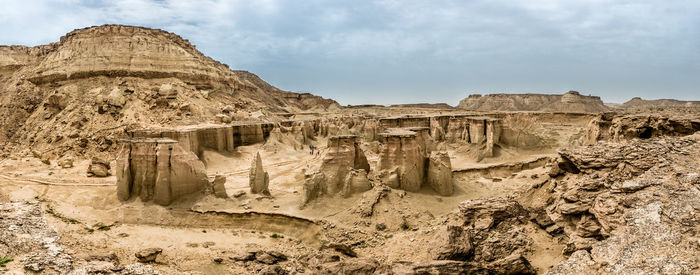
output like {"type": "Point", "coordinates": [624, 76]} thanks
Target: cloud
{"type": "Point", "coordinates": [389, 51]}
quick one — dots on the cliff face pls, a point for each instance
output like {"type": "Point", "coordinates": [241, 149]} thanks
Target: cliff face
{"type": "Point", "coordinates": [84, 90]}
{"type": "Point", "coordinates": [571, 101]}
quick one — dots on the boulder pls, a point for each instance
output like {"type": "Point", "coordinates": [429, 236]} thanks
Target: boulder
{"type": "Point", "coordinates": [98, 168]}
{"type": "Point", "coordinates": [66, 163]}
{"type": "Point", "coordinates": [148, 255]}
{"type": "Point", "coordinates": [228, 109]}
{"type": "Point", "coordinates": [258, 178]}
{"type": "Point", "coordinates": [219, 186]}
{"type": "Point", "coordinates": [223, 118]}
{"type": "Point", "coordinates": [46, 159]}
{"type": "Point", "coordinates": [452, 243]}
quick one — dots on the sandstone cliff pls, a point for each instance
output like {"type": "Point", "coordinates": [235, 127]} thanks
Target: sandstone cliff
{"type": "Point", "coordinates": [79, 94]}
{"type": "Point", "coordinates": [571, 101]}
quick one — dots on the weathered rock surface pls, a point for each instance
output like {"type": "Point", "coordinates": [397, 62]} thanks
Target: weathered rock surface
{"type": "Point", "coordinates": [158, 170]}
{"type": "Point", "coordinates": [343, 170]}
{"type": "Point", "coordinates": [38, 248]}
{"type": "Point", "coordinates": [609, 127]}
{"type": "Point", "coordinates": [440, 173]}
{"type": "Point", "coordinates": [629, 208]}
{"type": "Point", "coordinates": [219, 187]}
{"type": "Point", "coordinates": [258, 178]}
{"type": "Point", "coordinates": [402, 160]}
{"type": "Point", "coordinates": [66, 163]}
{"type": "Point", "coordinates": [98, 168]}
{"type": "Point", "coordinates": [148, 255]}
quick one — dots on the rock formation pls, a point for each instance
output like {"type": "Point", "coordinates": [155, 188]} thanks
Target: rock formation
{"type": "Point", "coordinates": [258, 178]}
{"type": "Point", "coordinates": [638, 102]}
{"type": "Point", "coordinates": [78, 94]}
{"type": "Point", "coordinates": [571, 101]}
{"type": "Point", "coordinates": [401, 160]}
{"type": "Point", "coordinates": [489, 239]}
{"type": "Point", "coordinates": [440, 173]}
{"type": "Point", "coordinates": [618, 128]}
{"type": "Point", "coordinates": [158, 170]}
{"type": "Point", "coordinates": [623, 204]}
{"type": "Point", "coordinates": [343, 170]}
{"type": "Point", "coordinates": [219, 187]}
{"type": "Point", "coordinates": [212, 137]}
{"type": "Point", "coordinates": [98, 168]}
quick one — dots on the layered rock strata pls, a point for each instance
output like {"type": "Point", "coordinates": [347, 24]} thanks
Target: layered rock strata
{"type": "Point", "coordinates": [221, 138]}
{"type": "Point", "coordinates": [402, 160]}
{"type": "Point", "coordinates": [407, 161]}
{"type": "Point", "coordinates": [343, 170]}
{"type": "Point", "coordinates": [617, 128]}
{"type": "Point", "coordinates": [158, 170]}
{"type": "Point", "coordinates": [627, 207]}
{"type": "Point", "coordinates": [440, 173]}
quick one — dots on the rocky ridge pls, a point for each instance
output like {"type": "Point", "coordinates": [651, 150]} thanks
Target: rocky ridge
{"type": "Point", "coordinates": [571, 101]}
{"type": "Point", "coordinates": [78, 95]}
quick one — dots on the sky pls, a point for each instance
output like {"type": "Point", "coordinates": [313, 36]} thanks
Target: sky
{"type": "Point", "coordinates": [411, 51]}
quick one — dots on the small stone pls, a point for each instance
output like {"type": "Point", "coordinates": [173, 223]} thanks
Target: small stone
{"type": "Point", "coordinates": [148, 255]}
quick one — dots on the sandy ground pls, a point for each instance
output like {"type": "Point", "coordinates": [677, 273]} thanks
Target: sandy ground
{"type": "Point", "coordinates": [191, 239]}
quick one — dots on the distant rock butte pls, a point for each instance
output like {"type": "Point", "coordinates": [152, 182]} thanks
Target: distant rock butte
{"type": "Point", "coordinates": [571, 101]}
{"type": "Point", "coordinates": [639, 102]}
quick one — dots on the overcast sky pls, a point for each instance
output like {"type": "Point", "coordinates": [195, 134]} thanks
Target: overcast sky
{"type": "Point", "coordinates": [409, 51]}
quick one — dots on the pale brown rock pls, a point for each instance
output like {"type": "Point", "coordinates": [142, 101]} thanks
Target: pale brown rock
{"type": "Point", "coordinates": [98, 168]}
{"type": "Point", "coordinates": [440, 173]}
{"type": "Point", "coordinates": [401, 160]}
{"type": "Point", "coordinates": [571, 101]}
{"type": "Point", "coordinates": [159, 170]}
{"type": "Point", "coordinates": [219, 186]}
{"type": "Point", "coordinates": [66, 163]}
{"type": "Point", "coordinates": [343, 170]}
{"type": "Point", "coordinates": [148, 255]}
{"type": "Point", "coordinates": [258, 178]}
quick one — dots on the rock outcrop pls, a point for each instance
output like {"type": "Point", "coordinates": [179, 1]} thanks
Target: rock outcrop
{"type": "Point", "coordinates": [489, 239]}
{"type": "Point", "coordinates": [258, 179]}
{"type": "Point", "coordinates": [197, 138]}
{"type": "Point", "coordinates": [402, 160]}
{"type": "Point", "coordinates": [618, 128]}
{"type": "Point", "coordinates": [158, 170]}
{"type": "Point", "coordinates": [406, 161]}
{"type": "Point", "coordinates": [343, 170]}
{"type": "Point", "coordinates": [79, 94]}
{"type": "Point", "coordinates": [440, 173]}
{"type": "Point", "coordinates": [571, 102]}
{"type": "Point", "coordinates": [628, 207]}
